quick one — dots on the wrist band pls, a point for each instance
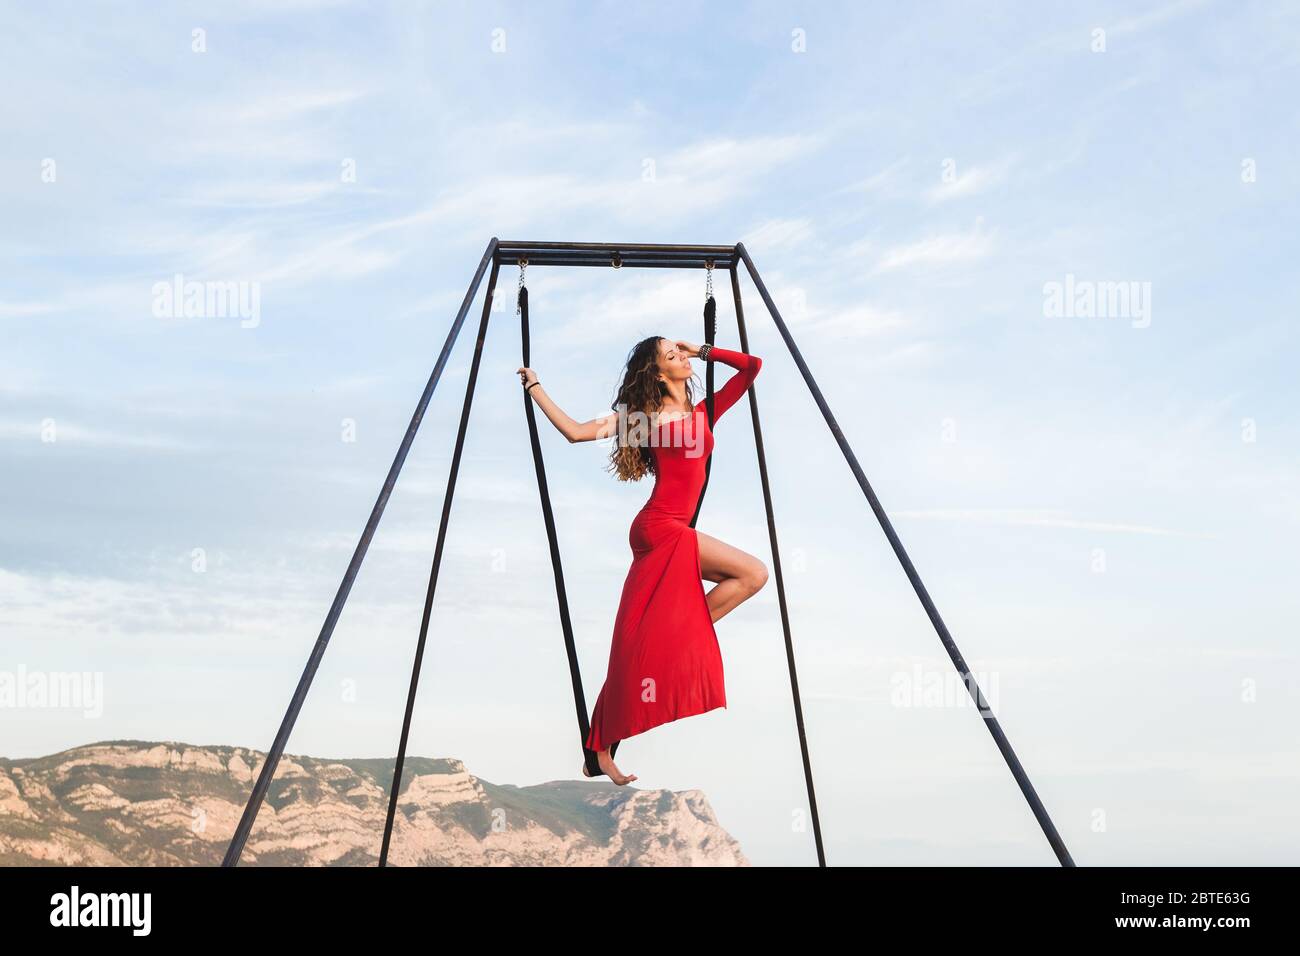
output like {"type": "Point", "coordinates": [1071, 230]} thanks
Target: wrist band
{"type": "Point", "coordinates": [705, 349]}
{"type": "Point", "coordinates": [538, 382]}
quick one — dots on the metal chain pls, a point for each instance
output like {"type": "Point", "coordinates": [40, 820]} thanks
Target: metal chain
{"type": "Point", "coordinates": [523, 264]}
{"type": "Point", "coordinates": [708, 280]}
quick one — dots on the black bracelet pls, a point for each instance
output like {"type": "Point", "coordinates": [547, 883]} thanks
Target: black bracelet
{"type": "Point", "coordinates": [704, 351]}
{"type": "Point", "coordinates": [538, 382]}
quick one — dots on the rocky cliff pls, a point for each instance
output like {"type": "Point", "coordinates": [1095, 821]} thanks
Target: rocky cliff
{"type": "Point", "coordinates": [131, 802]}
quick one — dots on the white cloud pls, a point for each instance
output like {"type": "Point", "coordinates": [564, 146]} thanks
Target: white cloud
{"type": "Point", "coordinates": [651, 301]}
{"type": "Point", "coordinates": [81, 435]}
{"type": "Point", "coordinates": [261, 195]}
{"type": "Point", "coordinates": [1042, 519]}
{"type": "Point", "coordinates": [742, 159]}
{"type": "Point", "coordinates": [943, 249]}
{"type": "Point", "coordinates": [280, 107]}
{"type": "Point", "coordinates": [848, 323]}
{"type": "Point", "coordinates": [970, 181]}
{"type": "Point", "coordinates": [700, 176]}
{"type": "Point", "coordinates": [886, 181]}
{"type": "Point", "coordinates": [779, 233]}
{"type": "Point", "coordinates": [21, 309]}
{"type": "Point", "coordinates": [1144, 21]}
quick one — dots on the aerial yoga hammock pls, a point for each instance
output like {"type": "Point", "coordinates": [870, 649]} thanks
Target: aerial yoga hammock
{"type": "Point", "coordinates": [664, 662]}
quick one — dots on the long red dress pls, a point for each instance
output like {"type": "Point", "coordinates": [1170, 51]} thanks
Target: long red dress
{"type": "Point", "coordinates": [664, 661]}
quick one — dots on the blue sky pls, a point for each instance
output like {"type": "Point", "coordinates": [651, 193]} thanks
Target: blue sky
{"type": "Point", "coordinates": [1102, 507]}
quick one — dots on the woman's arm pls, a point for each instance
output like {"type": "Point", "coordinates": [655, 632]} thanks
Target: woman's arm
{"type": "Point", "coordinates": [573, 430]}
{"type": "Point", "coordinates": [747, 366]}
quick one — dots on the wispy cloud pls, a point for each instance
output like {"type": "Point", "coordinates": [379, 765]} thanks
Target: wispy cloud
{"type": "Point", "coordinates": [260, 195]}
{"type": "Point", "coordinates": [22, 309]}
{"type": "Point", "coordinates": [1040, 519]}
{"type": "Point", "coordinates": [59, 432]}
{"type": "Point", "coordinates": [887, 181]}
{"type": "Point", "coordinates": [852, 322]}
{"type": "Point", "coordinates": [286, 104]}
{"type": "Point", "coordinates": [939, 250]}
{"type": "Point", "coordinates": [971, 180]}
{"type": "Point", "coordinates": [686, 180]}
{"type": "Point", "coordinates": [1156, 17]}
{"type": "Point", "coordinates": [740, 158]}
{"type": "Point", "coordinates": [779, 234]}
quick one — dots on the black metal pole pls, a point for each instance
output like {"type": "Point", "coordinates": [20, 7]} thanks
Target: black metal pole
{"type": "Point", "coordinates": [631, 262]}
{"type": "Point", "coordinates": [513, 249]}
{"type": "Point", "coordinates": [605, 254]}
{"type": "Point", "coordinates": [990, 721]}
{"type": "Point", "coordinates": [780, 583]}
{"type": "Point", "coordinates": [236, 848]}
{"type": "Point", "coordinates": [450, 493]}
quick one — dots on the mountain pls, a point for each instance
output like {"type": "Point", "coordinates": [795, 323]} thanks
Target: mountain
{"type": "Point", "coordinates": [146, 803]}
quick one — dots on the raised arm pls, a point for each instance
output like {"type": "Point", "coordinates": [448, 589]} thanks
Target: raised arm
{"type": "Point", "coordinates": [747, 366]}
{"type": "Point", "coordinates": [571, 429]}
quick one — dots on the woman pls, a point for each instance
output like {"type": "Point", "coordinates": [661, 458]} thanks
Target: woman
{"type": "Point", "coordinates": [664, 661]}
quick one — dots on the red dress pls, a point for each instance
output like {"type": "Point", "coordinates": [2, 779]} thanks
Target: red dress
{"type": "Point", "coordinates": [664, 661]}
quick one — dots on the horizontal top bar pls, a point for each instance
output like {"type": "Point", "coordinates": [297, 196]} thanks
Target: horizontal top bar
{"type": "Point", "coordinates": [513, 245]}
{"type": "Point", "coordinates": [607, 254]}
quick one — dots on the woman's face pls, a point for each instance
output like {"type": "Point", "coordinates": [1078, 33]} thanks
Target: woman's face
{"type": "Point", "coordinates": [673, 362]}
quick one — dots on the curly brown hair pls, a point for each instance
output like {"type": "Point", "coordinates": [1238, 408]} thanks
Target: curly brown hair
{"type": "Point", "coordinates": [642, 391]}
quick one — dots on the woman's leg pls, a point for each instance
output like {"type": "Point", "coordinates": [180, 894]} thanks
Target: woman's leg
{"type": "Point", "coordinates": [739, 575]}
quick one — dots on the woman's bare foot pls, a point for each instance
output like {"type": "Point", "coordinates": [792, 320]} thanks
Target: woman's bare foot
{"type": "Point", "coordinates": [611, 770]}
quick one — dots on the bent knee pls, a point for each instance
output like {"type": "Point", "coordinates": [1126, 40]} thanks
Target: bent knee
{"type": "Point", "coordinates": [755, 577]}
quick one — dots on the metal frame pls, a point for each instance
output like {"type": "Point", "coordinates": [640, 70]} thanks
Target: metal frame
{"type": "Point", "coordinates": [606, 255]}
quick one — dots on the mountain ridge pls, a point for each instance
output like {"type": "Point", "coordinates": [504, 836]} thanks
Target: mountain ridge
{"type": "Point", "coordinates": [169, 803]}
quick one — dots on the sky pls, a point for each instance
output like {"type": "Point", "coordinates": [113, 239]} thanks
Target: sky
{"type": "Point", "coordinates": [1038, 258]}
